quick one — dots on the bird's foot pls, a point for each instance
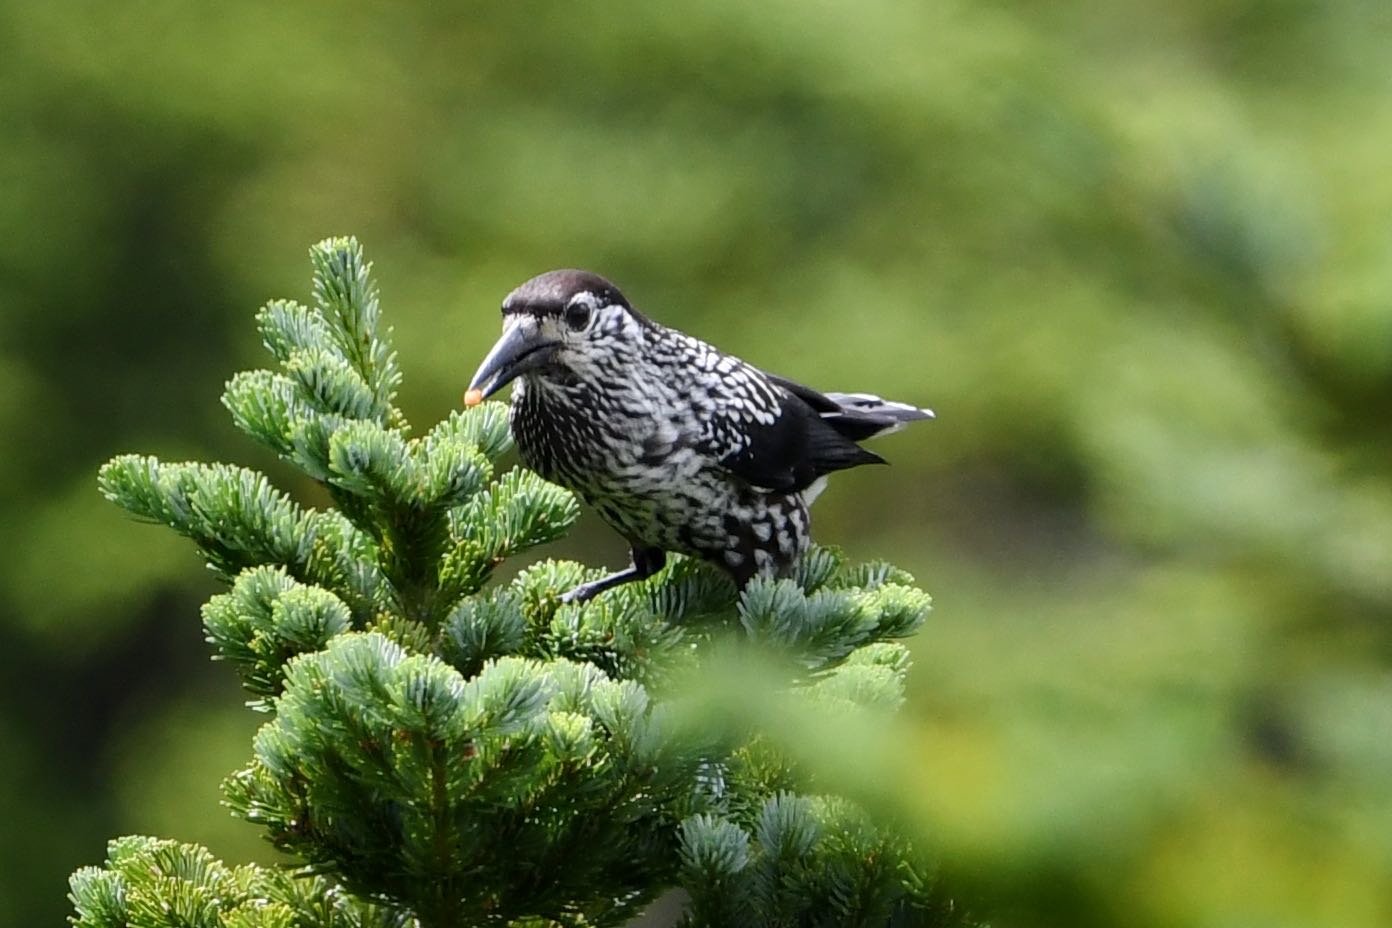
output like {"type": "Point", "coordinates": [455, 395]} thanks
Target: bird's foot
{"type": "Point", "coordinates": [646, 562]}
{"type": "Point", "coordinates": [585, 592]}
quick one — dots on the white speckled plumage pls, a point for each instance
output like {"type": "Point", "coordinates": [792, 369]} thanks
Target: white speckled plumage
{"type": "Point", "coordinates": [678, 446]}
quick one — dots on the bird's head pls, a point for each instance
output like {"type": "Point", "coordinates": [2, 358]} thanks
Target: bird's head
{"type": "Point", "coordinates": [563, 325]}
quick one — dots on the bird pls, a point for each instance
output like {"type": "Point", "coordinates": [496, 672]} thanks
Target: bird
{"type": "Point", "coordinates": [677, 445]}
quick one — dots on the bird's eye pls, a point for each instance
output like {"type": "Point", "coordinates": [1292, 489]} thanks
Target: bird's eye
{"type": "Point", "coordinates": [577, 316]}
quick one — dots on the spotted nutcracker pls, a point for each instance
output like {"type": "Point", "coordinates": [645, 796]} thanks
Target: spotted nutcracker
{"type": "Point", "coordinates": [677, 445]}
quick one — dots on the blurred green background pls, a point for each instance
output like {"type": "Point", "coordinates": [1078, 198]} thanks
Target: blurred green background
{"type": "Point", "coordinates": [1137, 255]}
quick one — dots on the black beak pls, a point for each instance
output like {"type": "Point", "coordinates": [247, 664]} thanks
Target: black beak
{"type": "Point", "coordinates": [521, 348]}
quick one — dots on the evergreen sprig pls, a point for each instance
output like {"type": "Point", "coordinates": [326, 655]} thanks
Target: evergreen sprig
{"type": "Point", "coordinates": [443, 752]}
{"type": "Point", "coordinates": [163, 884]}
{"type": "Point", "coordinates": [805, 860]}
{"type": "Point", "coordinates": [472, 798]}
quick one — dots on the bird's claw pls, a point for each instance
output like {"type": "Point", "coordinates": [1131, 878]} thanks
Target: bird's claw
{"type": "Point", "coordinates": [581, 594]}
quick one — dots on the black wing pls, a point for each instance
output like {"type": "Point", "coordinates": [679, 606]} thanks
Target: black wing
{"type": "Point", "coordinates": [799, 445]}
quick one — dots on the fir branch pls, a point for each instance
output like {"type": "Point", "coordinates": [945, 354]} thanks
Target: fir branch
{"type": "Point", "coordinates": [405, 490]}
{"type": "Point", "coordinates": [329, 385]}
{"type": "Point", "coordinates": [518, 512]}
{"type": "Point", "coordinates": [347, 296]}
{"type": "Point", "coordinates": [402, 778]}
{"type": "Point", "coordinates": [266, 406]}
{"type": "Point", "coordinates": [162, 884]}
{"type": "Point", "coordinates": [809, 860]}
{"type": "Point", "coordinates": [481, 628]}
{"type": "Point", "coordinates": [691, 593]}
{"type": "Point", "coordinates": [870, 575]}
{"type": "Point", "coordinates": [822, 628]}
{"type": "Point", "coordinates": [233, 514]}
{"type": "Point", "coordinates": [266, 619]}
{"type": "Point", "coordinates": [484, 427]}
{"type": "Point", "coordinates": [287, 327]}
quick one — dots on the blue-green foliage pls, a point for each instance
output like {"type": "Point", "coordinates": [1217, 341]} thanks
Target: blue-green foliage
{"type": "Point", "coordinates": [164, 884]}
{"type": "Point", "coordinates": [267, 618]}
{"type": "Point", "coordinates": [465, 754]}
{"type": "Point", "coordinates": [802, 861]}
{"type": "Point", "coordinates": [824, 627]}
{"type": "Point", "coordinates": [473, 799]}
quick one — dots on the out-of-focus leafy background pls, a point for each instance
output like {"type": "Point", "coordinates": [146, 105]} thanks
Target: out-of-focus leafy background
{"type": "Point", "coordinates": [1137, 255]}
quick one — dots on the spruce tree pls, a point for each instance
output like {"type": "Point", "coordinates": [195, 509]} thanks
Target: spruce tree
{"type": "Point", "coordinates": [442, 750]}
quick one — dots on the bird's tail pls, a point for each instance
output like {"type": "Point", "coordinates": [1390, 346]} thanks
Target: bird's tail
{"type": "Point", "coordinates": [860, 416]}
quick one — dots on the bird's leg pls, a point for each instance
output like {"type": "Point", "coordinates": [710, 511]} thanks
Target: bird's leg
{"type": "Point", "coordinates": [646, 562]}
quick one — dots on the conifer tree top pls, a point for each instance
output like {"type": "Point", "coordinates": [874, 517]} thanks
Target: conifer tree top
{"type": "Point", "coordinates": [443, 749]}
